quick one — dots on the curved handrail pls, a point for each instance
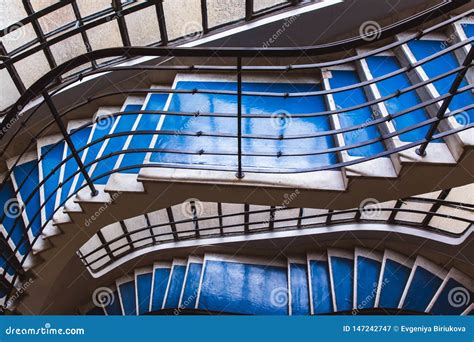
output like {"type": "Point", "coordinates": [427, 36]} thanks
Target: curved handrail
{"type": "Point", "coordinates": [48, 80]}
{"type": "Point", "coordinates": [342, 45]}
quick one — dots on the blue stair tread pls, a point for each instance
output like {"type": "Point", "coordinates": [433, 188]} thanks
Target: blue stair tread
{"type": "Point", "coordinates": [454, 299]}
{"type": "Point", "coordinates": [79, 139]}
{"type": "Point", "coordinates": [175, 286]}
{"type": "Point", "coordinates": [468, 30]}
{"type": "Point", "coordinates": [343, 274]}
{"type": "Point", "coordinates": [147, 122]}
{"type": "Point", "coordinates": [394, 280]}
{"type": "Point", "coordinates": [115, 144]}
{"type": "Point", "coordinates": [422, 289]}
{"type": "Point", "coordinates": [299, 289]}
{"type": "Point", "coordinates": [53, 155]}
{"type": "Point", "coordinates": [143, 282]}
{"type": "Point", "coordinates": [217, 103]}
{"type": "Point", "coordinates": [127, 294]}
{"type": "Point", "coordinates": [236, 287]}
{"type": "Point", "coordinates": [362, 116]}
{"type": "Point", "coordinates": [368, 272]}
{"type": "Point", "coordinates": [114, 309]}
{"type": "Point", "coordinates": [11, 221]}
{"type": "Point", "coordinates": [382, 65]}
{"type": "Point", "coordinates": [100, 130]}
{"type": "Point", "coordinates": [321, 287]}
{"type": "Point", "coordinates": [27, 179]}
{"type": "Point", "coordinates": [425, 48]}
{"type": "Point", "coordinates": [191, 287]}
{"type": "Point", "coordinates": [160, 282]}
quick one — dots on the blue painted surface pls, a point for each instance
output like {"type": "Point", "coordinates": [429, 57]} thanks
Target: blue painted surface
{"type": "Point", "coordinates": [425, 48]}
{"type": "Point", "coordinates": [362, 116]}
{"type": "Point", "coordinates": [159, 288]}
{"type": "Point", "coordinates": [114, 309]}
{"type": "Point", "coordinates": [343, 274]}
{"type": "Point", "coordinates": [250, 105]}
{"type": "Point", "coordinates": [13, 224]}
{"type": "Point", "coordinates": [422, 289]}
{"type": "Point", "coordinates": [144, 292]}
{"type": "Point", "coordinates": [101, 129]}
{"type": "Point", "coordinates": [382, 65]}
{"type": "Point", "coordinates": [79, 139]}
{"type": "Point", "coordinates": [368, 271]}
{"type": "Point", "coordinates": [468, 30]}
{"type": "Point", "coordinates": [27, 178]}
{"type": "Point", "coordinates": [51, 160]}
{"type": "Point", "coordinates": [5, 265]}
{"type": "Point", "coordinates": [394, 280]}
{"type": "Point", "coordinates": [321, 287]}
{"type": "Point", "coordinates": [125, 124]}
{"type": "Point", "coordinates": [191, 287]}
{"type": "Point", "coordinates": [299, 289]}
{"type": "Point", "coordinates": [244, 288]}
{"type": "Point", "coordinates": [127, 294]}
{"type": "Point", "coordinates": [147, 122]}
{"type": "Point", "coordinates": [175, 286]}
{"type": "Point", "coordinates": [454, 299]}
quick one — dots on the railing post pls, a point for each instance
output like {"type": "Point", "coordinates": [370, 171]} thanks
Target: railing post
{"type": "Point", "coordinates": [69, 143]}
{"type": "Point", "coordinates": [239, 173]}
{"type": "Point", "coordinates": [421, 151]}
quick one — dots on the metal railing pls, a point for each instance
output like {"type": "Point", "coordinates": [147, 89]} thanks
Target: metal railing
{"type": "Point", "coordinates": [53, 82]}
{"type": "Point", "coordinates": [119, 11]}
{"type": "Point", "coordinates": [111, 250]}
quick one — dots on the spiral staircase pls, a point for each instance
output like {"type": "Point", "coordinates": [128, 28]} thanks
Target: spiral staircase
{"type": "Point", "coordinates": [260, 146]}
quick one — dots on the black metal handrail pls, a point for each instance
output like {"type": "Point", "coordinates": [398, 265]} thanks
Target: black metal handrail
{"type": "Point", "coordinates": [48, 85]}
{"type": "Point", "coordinates": [198, 233]}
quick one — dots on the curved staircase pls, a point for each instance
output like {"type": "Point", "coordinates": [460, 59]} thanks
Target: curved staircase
{"type": "Point", "coordinates": [340, 134]}
{"type": "Point", "coordinates": [320, 283]}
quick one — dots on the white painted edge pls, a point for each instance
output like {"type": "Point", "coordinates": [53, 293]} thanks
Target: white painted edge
{"type": "Point", "coordinates": [427, 265]}
{"type": "Point", "coordinates": [468, 310]}
{"type": "Point", "coordinates": [458, 276]}
{"type": "Point", "coordinates": [245, 259]}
